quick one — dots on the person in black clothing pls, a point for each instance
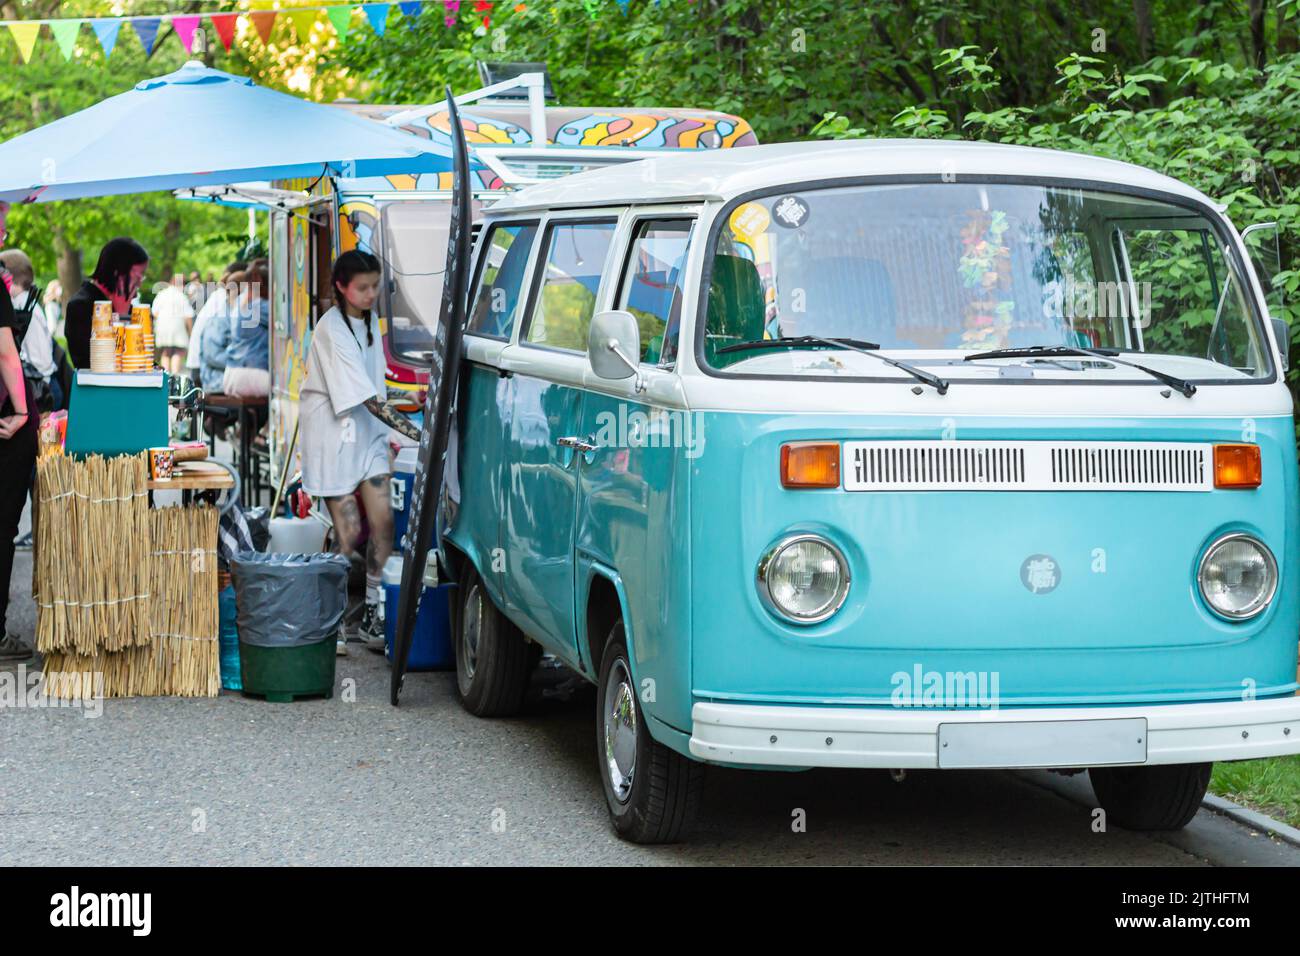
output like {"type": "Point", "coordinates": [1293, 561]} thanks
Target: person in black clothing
{"type": "Point", "coordinates": [116, 279]}
{"type": "Point", "coordinates": [17, 453]}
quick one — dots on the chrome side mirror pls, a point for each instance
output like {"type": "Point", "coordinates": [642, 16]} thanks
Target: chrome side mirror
{"type": "Point", "coordinates": [614, 346]}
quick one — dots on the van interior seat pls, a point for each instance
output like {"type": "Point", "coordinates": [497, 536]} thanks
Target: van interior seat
{"type": "Point", "coordinates": [736, 307]}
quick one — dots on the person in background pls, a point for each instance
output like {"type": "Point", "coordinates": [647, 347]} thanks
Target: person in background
{"type": "Point", "coordinates": [214, 348]}
{"type": "Point", "coordinates": [117, 278]}
{"type": "Point", "coordinates": [344, 424]}
{"type": "Point", "coordinates": [173, 317]}
{"type": "Point", "coordinates": [217, 306]}
{"type": "Point", "coordinates": [248, 359]}
{"type": "Point", "coordinates": [18, 428]}
{"type": "Point", "coordinates": [37, 351]}
{"type": "Point", "coordinates": [52, 304]}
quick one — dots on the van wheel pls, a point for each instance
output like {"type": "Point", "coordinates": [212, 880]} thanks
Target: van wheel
{"type": "Point", "coordinates": [1163, 797]}
{"type": "Point", "coordinates": [493, 658]}
{"type": "Point", "coordinates": [653, 792]}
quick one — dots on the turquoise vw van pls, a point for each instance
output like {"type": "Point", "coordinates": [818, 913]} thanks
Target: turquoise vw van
{"type": "Point", "coordinates": [883, 455]}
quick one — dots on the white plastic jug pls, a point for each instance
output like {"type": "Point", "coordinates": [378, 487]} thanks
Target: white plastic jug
{"type": "Point", "coordinates": [296, 536]}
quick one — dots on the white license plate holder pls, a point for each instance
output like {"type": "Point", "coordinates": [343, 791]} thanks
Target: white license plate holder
{"type": "Point", "coordinates": [1043, 743]}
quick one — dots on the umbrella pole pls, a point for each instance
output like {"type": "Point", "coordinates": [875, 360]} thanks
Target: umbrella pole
{"type": "Point", "coordinates": [284, 472]}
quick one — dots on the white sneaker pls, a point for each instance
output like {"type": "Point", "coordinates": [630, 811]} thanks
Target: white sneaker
{"type": "Point", "coordinates": [341, 647]}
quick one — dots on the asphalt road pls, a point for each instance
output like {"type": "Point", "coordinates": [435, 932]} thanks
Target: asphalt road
{"type": "Point", "coordinates": [241, 781]}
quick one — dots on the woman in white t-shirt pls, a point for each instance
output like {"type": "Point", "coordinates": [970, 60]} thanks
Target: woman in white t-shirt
{"type": "Point", "coordinates": [343, 426]}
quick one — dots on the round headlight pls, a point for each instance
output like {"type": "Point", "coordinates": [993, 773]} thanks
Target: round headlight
{"type": "Point", "coordinates": [804, 579]}
{"type": "Point", "coordinates": [1238, 576]}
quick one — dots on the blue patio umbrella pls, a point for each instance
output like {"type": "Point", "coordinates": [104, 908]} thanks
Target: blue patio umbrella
{"type": "Point", "coordinates": [200, 127]}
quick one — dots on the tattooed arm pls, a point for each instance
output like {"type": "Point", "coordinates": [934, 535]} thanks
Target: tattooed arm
{"type": "Point", "coordinates": [392, 419]}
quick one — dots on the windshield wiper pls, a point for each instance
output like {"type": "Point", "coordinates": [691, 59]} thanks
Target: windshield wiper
{"type": "Point", "coordinates": [1057, 351]}
{"type": "Point", "coordinates": [852, 345]}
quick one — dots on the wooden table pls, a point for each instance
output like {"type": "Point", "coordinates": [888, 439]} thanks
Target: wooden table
{"type": "Point", "coordinates": [247, 409]}
{"type": "Point", "coordinates": [195, 476]}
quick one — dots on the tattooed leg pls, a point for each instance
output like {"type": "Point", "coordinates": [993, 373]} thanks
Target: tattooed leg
{"type": "Point", "coordinates": [376, 496]}
{"type": "Point", "coordinates": [392, 418]}
{"type": "Point", "coordinates": [347, 522]}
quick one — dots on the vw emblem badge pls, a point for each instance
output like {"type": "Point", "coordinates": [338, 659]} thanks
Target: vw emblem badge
{"type": "Point", "coordinates": [1040, 573]}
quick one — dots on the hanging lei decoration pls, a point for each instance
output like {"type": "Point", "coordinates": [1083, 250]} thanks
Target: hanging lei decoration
{"type": "Point", "coordinates": [985, 266]}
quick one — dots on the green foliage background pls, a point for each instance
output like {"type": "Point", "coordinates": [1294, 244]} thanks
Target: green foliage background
{"type": "Point", "coordinates": [1206, 92]}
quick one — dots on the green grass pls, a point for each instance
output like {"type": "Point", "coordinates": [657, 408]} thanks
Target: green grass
{"type": "Point", "coordinates": [1270, 786]}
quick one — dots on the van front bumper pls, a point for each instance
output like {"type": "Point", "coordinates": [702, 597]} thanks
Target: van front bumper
{"type": "Point", "coordinates": [920, 738]}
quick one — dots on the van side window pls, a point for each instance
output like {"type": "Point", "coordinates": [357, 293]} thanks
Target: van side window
{"type": "Point", "coordinates": [652, 285]}
{"type": "Point", "coordinates": [498, 297]}
{"type": "Point", "coordinates": [575, 257]}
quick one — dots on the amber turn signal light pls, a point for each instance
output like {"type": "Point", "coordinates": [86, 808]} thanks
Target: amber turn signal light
{"type": "Point", "coordinates": [1237, 466]}
{"type": "Point", "coordinates": [810, 464]}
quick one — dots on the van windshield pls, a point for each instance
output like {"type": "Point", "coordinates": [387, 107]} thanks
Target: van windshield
{"type": "Point", "coordinates": [938, 271]}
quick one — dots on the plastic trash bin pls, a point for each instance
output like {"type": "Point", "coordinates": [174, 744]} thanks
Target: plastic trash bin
{"type": "Point", "coordinates": [289, 607]}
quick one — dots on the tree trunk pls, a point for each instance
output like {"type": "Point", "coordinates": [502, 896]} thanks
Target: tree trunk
{"type": "Point", "coordinates": [69, 264]}
{"type": "Point", "coordinates": [1258, 42]}
{"type": "Point", "coordinates": [1145, 29]}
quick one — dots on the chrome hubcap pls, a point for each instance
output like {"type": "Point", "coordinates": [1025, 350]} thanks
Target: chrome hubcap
{"type": "Point", "coordinates": [620, 731]}
{"type": "Point", "coordinates": [470, 629]}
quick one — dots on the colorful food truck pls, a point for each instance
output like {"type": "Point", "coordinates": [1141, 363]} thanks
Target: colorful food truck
{"type": "Point", "coordinates": [404, 219]}
{"type": "Point", "coordinates": [892, 454]}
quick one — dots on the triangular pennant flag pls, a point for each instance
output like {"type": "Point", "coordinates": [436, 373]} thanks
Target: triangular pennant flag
{"type": "Point", "coordinates": [341, 17]}
{"type": "Point", "coordinates": [146, 28]}
{"type": "Point", "coordinates": [264, 20]}
{"type": "Point", "coordinates": [411, 9]}
{"type": "Point", "coordinates": [622, 5]}
{"type": "Point", "coordinates": [377, 14]}
{"type": "Point", "coordinates": [224, 24]}
{"type": "Point", "coordinates": [106, 30]}
{"type": "Point", "coordinates": [185, 28]}
{"type": "Point", "coordinates": [65, 35]}
{"type": "Point", "coordinates": [302, 22]}
{"type": "Point", "coordinates": [25, 33]}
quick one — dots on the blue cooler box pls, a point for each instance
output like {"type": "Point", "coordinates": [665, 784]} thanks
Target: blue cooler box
{"type": "Point", "coordinates": [431, 648]}
{"type": "Point", "coordinates": [402, 481]}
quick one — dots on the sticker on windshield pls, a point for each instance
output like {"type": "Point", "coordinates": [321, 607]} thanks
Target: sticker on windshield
{"type": "Point", "coordinates": [750, 221]}
{"type": "Point", "coordinates": [790, 211]}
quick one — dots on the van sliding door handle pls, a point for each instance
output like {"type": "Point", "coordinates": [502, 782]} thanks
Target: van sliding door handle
{"type": "Point", "coordinates": [576, 443]}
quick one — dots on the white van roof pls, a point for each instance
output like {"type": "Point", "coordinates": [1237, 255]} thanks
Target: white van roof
{"type": "Point", "coordinates": [726, 173]}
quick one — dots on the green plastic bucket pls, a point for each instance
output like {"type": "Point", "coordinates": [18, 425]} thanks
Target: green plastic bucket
{"type": "Point", "coordinates": [283, 674]}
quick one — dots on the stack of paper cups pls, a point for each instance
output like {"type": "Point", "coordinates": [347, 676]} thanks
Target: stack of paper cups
{"type": "Point", "coordinates": [142, 316]}
{"type": "Point", "coordinates": [103, 355]}
{"type": "Point", "coordinates": [101, 322]}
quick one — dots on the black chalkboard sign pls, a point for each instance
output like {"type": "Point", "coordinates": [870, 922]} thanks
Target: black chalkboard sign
{"type": "Point", "coordinates": [426, 487]}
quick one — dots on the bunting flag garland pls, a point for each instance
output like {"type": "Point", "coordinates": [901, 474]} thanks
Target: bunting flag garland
{"type": "Point", "coordinates": [106, 30]}
{"type": "Point", "coordinates": [341, 17]}
{"type": "Point", "coordinates": [264, 20]}
{"type": "Point", "coordinates": [146, 28]}
{"type": "Point", "coordinates": [224, 24]}
{"type": "Point", "coordinates": [65, 35]}
{"type": "Point", "coordinates": [377, 14]}
{"type": "Point", "coordinates": [302, 22]}
{"type": "Point", "coordinates": [187, 26]}
{"type": "Point", "coordinates": [25, 33]}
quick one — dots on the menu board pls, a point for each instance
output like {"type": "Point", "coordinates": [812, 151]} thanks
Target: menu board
{"type": "Point", "coordinates": [439, 402]}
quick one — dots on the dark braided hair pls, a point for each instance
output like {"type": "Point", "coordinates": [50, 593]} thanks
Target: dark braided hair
{"type": "Point", "coordinates": [352, 263]}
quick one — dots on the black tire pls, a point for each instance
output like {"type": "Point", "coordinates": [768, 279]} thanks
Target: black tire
{"type": "Point", "coordinates": [662, 798]}
{"type": "Point", "coordinates": [1163, 797]}
{"type": "Point", "coordinates": [494, 662]}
